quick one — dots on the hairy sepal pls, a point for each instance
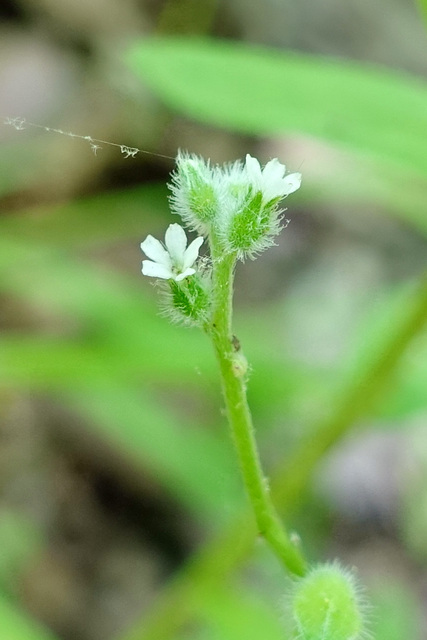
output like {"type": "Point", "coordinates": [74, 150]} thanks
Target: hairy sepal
{"type": "Point", "coordinates": [188, 302]}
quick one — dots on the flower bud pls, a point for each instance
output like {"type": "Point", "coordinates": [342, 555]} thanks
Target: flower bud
{"type": "Point", "coordinates": [253, 226]}
{"type": "Point", "coordinates": [194, 193]}
{"type": "Point", "coordinates": [326, 605]}
{"type": "Point", "coordinates": [189, 301]}
{"type": "Point", "coordinates": [255, 218]}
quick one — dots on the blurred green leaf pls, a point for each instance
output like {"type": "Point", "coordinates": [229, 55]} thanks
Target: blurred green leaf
{"type": "Point", "coordinates": [423, 8]}
{"type": "Point", "coordinates": [406, 387]}
{"type": "Point", "coordinates": [92, 221]}
{"type": "Point", "coordinates": [395, 614]}
{"type": "Point", "coordinates": [236, 614]}
{"type": "Point", "coordinates": [17, 625]}
{"type": "Point", "coordinates": [266, 92]}
{"type": "Point", "coordinates": [409, 390]}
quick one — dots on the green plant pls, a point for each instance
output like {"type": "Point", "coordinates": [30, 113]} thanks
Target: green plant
{"type": "Point", "coordinates": [237, 208]}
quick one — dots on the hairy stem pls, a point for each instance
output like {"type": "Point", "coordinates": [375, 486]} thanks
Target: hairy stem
{"type": "Point", "coordinates": [234, 389]}
{"type": "Point", "coordinates": [222, 555]}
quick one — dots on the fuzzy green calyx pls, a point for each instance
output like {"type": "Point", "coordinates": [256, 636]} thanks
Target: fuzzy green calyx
{"type": "Point", "coordinates": [189, 301]}
{"type": "Point", "coordinates": [194, 196]}
{"type": "Point", "coordinates": [201, 197]}
{"type": "Point", "coordinates": [255, 219]}
{"type": "Point", "coordinates": [326, 605]}
{"type": "Point", "coordinates": [253, 226]}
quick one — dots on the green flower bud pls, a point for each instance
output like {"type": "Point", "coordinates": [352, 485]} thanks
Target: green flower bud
{"type": "Point", "coordinates": [253, 226]}
{"type": "Point", "coordinates": [326, 605]}
{"type": "Point", "coordinates": [194, 192]}
{"type": "Point", "coordinates": [188, 301]}
{"type": "Point", "coordinates": [253, 218]}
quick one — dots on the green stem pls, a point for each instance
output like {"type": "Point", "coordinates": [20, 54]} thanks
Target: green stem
{"type": "Point", "coordinates": [219, 557]}
{"type": "Point", "coordinates": [234, 389]}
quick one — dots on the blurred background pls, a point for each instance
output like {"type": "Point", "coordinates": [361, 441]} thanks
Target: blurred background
{"type": "Point", "coordinates": [121, 509]}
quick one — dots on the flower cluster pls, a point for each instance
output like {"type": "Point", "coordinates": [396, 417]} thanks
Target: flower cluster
{"type": "Point", "coordinates": [238, 202]}
{"type": "Point", "coordinates": [236, 206]}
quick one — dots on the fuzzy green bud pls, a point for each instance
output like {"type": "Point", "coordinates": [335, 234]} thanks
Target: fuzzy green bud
{"type": "Point", "coordinates": [189, 301]}
{"type": "Point", "coordinates": [194, 195]}
{"type": "Point", "coordinates": [254, 225]}
{"type": "Point", "coordinates": [326, 605]}
{"type": "Point", "coordinates": [251, 215]}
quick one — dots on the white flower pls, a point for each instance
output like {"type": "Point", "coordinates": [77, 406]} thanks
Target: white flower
{"type": "Point", "coordinates": [176, 261]}
{"type": "Point", "coordinates": [271, 180]}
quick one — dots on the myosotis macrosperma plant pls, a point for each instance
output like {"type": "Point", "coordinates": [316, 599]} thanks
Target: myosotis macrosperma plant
{"type": "Point", "coordinates": [237, 208]}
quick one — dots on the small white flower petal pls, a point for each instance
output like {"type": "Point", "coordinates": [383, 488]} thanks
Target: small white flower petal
{"type": "Point", "coordinates": [154, 250]}
{"type": "Point", "coordinates": [274, 190]}
{"type": "Point", "coordinates": [156, 270]}
{"type": "Point", "coordinates": [176, 241]}
{"type": "Point", "coordinates": [292, 182]}
{"type": "Point", "coordinates": [253, 169]}
{"type": "Point", "coordinates": [184, 274]}
{"type": "Point", "coordinates": [191, 254]}
{"type": "Point", "coordinates": [273, 171]}
{"type": "Point", "coordinates": [271, 180]}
